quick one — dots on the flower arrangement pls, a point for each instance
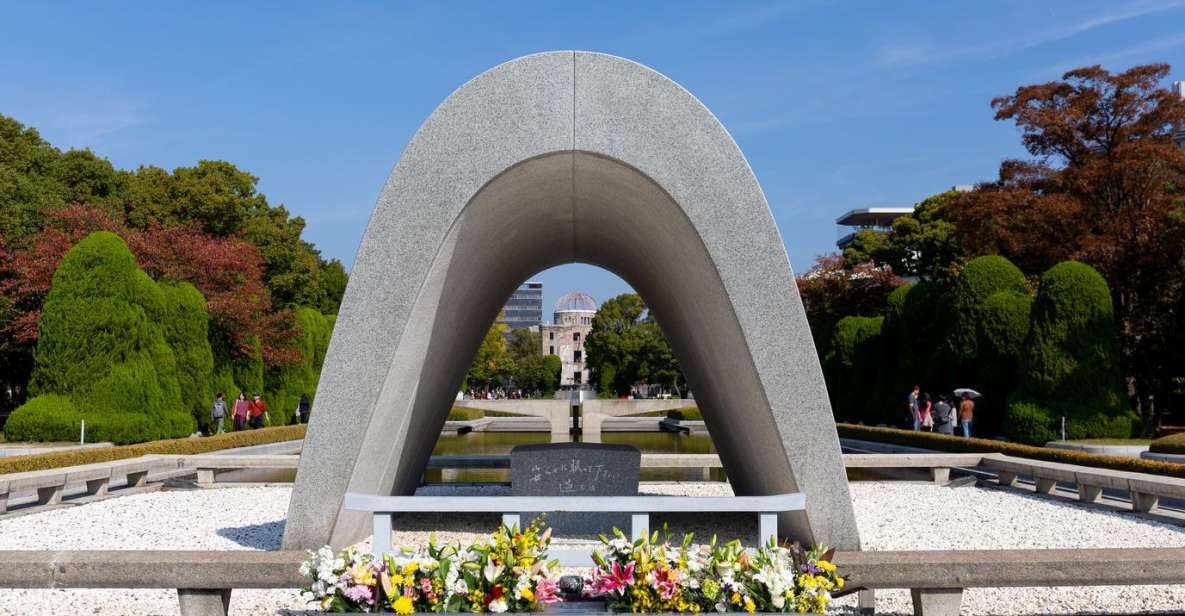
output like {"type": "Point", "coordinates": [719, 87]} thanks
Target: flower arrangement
{"type": "Point", "coordinates": [647, 575]}
{"type": "Point", "coordinates": [508, 573]}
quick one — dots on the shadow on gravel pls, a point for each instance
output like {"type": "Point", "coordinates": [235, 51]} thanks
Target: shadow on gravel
{"type": "Point", "coordinates": [266, 536]}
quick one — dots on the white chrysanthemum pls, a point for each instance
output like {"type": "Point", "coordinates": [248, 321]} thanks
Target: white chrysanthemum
{"type": "Point", "coordinates": [498, 606]}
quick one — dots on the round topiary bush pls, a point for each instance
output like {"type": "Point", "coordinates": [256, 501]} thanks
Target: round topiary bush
{"type": "Point", "coordinates": [981, 278]}
{"type": "Point", "coordinates": [1069, 365]}
{"type": "Point", "coordinates": [101, 343]}
{"type": "Point", "coordinates": [45, 418]}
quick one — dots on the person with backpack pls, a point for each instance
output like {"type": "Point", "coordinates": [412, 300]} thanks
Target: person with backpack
{"type": "Point", "coordinates": [944, 417]}
{"type": "Point", "coordinates": [217, 413]}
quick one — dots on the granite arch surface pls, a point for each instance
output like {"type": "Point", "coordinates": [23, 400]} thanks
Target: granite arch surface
{"type": "Point", "coordinates": [555, 158]}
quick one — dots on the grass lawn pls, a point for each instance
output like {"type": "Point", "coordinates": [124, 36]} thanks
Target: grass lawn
{"type": "Point", "coordinates": [1112, 441]}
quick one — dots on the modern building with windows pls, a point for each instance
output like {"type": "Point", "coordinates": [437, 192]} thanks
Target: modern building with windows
{"type": "Point", "coordinates": [565, 337]}
{"type": "Point", "coordinates": [524, 309]}
{"type": "Point", "coordinates": [878, 219]}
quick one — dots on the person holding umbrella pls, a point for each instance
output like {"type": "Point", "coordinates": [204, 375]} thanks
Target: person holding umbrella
{"type": "Point", "coordinates": [966, 413]}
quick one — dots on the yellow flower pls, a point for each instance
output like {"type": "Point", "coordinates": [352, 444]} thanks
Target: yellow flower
{"type": "Point", "coordinates": [750, 606]}
{"type": "Point", "coordinates": [528, 595]}
{"type": "Point", "coordinates": [396, 579]}
{"type": "Point", "coordinates": [410, 568]}
{"type": "Point", "coordinates": [403, 605]}
{"type": "Point", "coordinates": [838, 582]}
{"type": "Point", "coordinates": [826, 566]}
{"type": "Point", "coordinates": [362, 574]}
{"type": "Point", "coordinates": [736, 598]}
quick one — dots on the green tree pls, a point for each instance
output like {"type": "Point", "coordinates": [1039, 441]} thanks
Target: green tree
{"type": "Point", "coordinates": [611, 345]}
{"type": "Point", "coordinates": [1070, 364]}
{"type": "Point", "coordinates": [923, 243]}
{"type": "Point", "coordinates": [492, 363]}
{"type": "Point", "coordinates": [626, 346]}
{"type": "Point", "coordinates": [524, 343]}
{"type": "Point", "coordinates": [186, 328]}
{"type": "Point", "coordinates": [333, 286]}
{"type": "Point", "coordinates": [101, 344]}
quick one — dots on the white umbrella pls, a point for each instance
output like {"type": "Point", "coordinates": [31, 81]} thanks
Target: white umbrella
{"type": "Point", "coordinates": [967, 390]}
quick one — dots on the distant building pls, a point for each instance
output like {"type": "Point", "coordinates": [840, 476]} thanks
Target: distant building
{"type": "Point", "coordinates": [565, 337]}
{"type": "Point", "coordinates": [875, 219]}
{"type": "Point", "coordinates": [524, 309]}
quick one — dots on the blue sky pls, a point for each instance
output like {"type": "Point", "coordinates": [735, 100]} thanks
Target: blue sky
{"type": "Point", "coordinates": [836, 105]}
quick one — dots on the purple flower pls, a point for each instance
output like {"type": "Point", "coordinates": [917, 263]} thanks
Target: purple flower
{"type": "Point", "coordinates": [359, 594]}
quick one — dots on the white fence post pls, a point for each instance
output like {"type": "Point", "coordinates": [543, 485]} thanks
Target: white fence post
{"type": "Point", "coordinates": [382, 535]}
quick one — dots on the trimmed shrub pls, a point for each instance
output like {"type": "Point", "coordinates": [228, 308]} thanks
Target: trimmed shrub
{"type": "Point", "coordinates": [886, 403]}
{"type": "Point", "coordinates": [920, 362]}
{"type": "Point", "coordinates": [187, 330]}
{"type": "Point", "coordinates": [689, 413]}
{"type": "Point", "coordinates": [46, 418]}
{"type": "Point", "coordinates": [458, 413]}
{"type": "Point", "coordinates": [853, 348]}
{"type": "Point", "coordinates": [1070, 363]}
{"type": "Point", "coordinates": [286, 384]}
{"type": "Point", "coordinates": [1174, 443]}
{"type": "Point", "coordinates": [981, 278]}
{"type": "Point", "coordinates": [1002, 330]}
{"type": "Point", "coordinates": [179, 446]}
{"type": "Point", "coordinates": [957, 444]}
{"type": "Point", "coordinates": [100, 342]}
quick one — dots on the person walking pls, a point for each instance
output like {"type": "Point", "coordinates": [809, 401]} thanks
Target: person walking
{"type": "Point", "coordinates": [966, 414]}
{"type": "Point", "coordinates": [217, 413]}
{"type": "Point", "coordinates": [924, 416]}
{"type": "Point", "coordinates": [911, 402]}
{"type": "Point", "coordinates": [257, 409]}
{"type": "Point", "coordinates": [239, 412]}
{"type": "Point", "coordinates": [303, 408]}
{"type": "Point", "coordinates": [944, 417]}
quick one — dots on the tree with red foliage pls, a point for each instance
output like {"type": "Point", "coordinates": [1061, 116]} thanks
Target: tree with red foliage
{"type": "Point", "coordinates": [227, 270]}
{"type": "Point", "coordinates": [830, 291]}
{"type": "Point", "coordinates": [1104, 189]}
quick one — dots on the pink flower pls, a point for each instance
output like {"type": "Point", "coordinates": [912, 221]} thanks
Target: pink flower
{"type": "Point", "coordinates": [664, 583]}
{"type": "Point", "coordinates": [426, 585]}
{"type": "Point", "coordinates": [359, 594]}
{"type": "Point", "coordinates": [546, 591]}
{"type": "Point", "coordinates": [617, 580]}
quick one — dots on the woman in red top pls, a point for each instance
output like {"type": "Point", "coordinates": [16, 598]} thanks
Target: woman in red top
{"type": "Point", "coordinates": [257, 409]}
{"type": "Point", "coordinates": [924, 406]}
{"type": "Point", "coordinates": [240, 411]}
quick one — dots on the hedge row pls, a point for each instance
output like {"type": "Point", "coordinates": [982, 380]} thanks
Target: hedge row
{"type": "Point", "coordinates": [177, 446]}
{"type": "Point", "coordinates": [954, 444]}
{"type": "Point", "coordinates": [1174, 443]}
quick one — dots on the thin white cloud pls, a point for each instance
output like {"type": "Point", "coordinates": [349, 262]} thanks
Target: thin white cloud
{"type": "Point", "coordinates": [1143, 51]}
{"type": "Point", "coordinates": [85, 122]}
{"type": "Point", "coordinates": [911, 54]}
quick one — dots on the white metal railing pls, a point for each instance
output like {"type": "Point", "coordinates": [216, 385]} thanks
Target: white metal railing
{"type": "Point", "coordinates": [384, 508]}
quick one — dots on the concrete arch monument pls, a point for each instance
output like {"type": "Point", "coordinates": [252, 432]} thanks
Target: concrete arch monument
{"type": "Point", "coordinates": [548, 159]}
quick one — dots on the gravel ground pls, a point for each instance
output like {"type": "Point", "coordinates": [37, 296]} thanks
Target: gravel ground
{"type": "Point", "coordinates": [891, 515]}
